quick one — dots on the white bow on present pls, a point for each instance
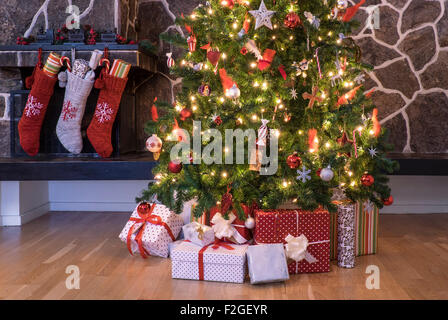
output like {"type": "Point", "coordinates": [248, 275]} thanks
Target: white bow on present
{"type": "Point", "coordinates": [223, 227]}
{"type": "Point", "coordinates": [296, 249]}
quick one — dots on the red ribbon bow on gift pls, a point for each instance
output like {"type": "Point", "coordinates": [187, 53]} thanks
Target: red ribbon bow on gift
{"type": "Point", "coordinates": [146, 216]}
{"type": "Point", "coordinates": [214, 246]}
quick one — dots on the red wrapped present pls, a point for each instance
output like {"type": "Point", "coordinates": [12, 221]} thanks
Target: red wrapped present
{"type": "Point", "coordinates": [232, 229]}
{"type": "Point", "coordinates": [306, 235]}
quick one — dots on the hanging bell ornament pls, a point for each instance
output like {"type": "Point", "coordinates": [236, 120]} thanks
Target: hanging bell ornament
{"type": "Point", "coordinates": [367, 180]}
{"type": "Point", "coordinates": [294, 161]}
{"type": "Point", "coordinates": [292, 20]}
{"type": "Point", "coordinates": [154, 143]}
{"type": "Point", "coordinates": [326, 174]}
{"type": "Point", "coordinates": [233, 93]}
{"type": "Point", "coordinates": [249, 223]}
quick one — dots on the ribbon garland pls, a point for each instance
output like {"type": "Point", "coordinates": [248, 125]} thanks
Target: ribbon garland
{"type": "Point", "coordinates": [145, 218]}
{"type": "Point", "coordinates": [214, 246]}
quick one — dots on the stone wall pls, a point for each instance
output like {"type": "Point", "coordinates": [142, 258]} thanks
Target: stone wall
{"type": "Point", "coordinates": [410, 55]}
{"type": "Point", "coordinates": [16, 17]}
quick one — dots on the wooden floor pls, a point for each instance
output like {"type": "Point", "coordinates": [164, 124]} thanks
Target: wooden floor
{"type": "Point", "coordinates": [413, 264]}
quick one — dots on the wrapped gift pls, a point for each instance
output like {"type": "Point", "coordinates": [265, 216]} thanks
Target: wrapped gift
{"type": "Point", "coordinates": [173, 245]}
{"type": "Point", "coordinates": [366, 228]}
{"type": "Point", "coordinates": [333, 235]}
{"type": "Point", "coordinates": [346, 234]}
{"type": "Point", "coordinates": [150, 229]}
{"type": "Point", "coordinates": [231, 229]}
{"type": "Point", "coordinates": [198, 233]}
{"type": "Point", "coordinates": [305, 233]}
{"type": "Point", "coordinates": [267, 263]}
{"type": "Point", "coordinates": [220, 261]}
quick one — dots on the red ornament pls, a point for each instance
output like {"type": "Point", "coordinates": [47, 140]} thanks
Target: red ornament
{"type": "Point", "coordinates": [318, 171]}
{"type": "Point", "coordinates": [292, 20]}
{"type": "Point", "coordinates": [243, 51]}
{"type": "Point", "coordinates": [388, 201]}
{"type": "Point", "coordinates": [175, 166]}
{"type": "Point", "coordinates": [185, 113]}
{"type": "Point", "coordinates": [144, 208]}
{"type": "Point", "coordinates": [367, 180]}
{"type": "Point", "coordinates": [293, 161]}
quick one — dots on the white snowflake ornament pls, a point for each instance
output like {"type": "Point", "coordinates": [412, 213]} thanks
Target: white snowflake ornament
{"type": "Point", "coordinates": [304, 174]}
{"type": "Point", "coordinates": [262, 16]}
{"type": "Point", "coordinates": [103, 112]}
{"type": "Point", "coordinates": [33, 107]}
{"type": "Point", "coordinates": [293, 93]}
{"type": "Point", "coordinates": [373, 152]}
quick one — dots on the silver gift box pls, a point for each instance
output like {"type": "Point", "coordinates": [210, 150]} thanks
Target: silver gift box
{"type": "Point", "coordinates": [267, 263]}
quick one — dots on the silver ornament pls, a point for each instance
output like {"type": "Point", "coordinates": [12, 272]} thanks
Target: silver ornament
{"type": "Point", "coordinates": [249, 223]}
{"type": "Point", "coordinates": [326, 174]}
{"type": "Point", "coordinates": [233, 93]}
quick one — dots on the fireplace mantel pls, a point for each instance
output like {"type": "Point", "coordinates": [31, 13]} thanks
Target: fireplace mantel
{"type": "Point", "coordinates": [41, 168]}
{"type": "Point", "coordinates": [22, 56]}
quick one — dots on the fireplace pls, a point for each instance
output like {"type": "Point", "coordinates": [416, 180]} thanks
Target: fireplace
{"type": "Point", "coordinates": [54, 161]}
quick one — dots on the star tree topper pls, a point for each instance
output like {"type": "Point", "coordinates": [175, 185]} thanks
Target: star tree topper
{"type": "Point", "coordinates": [262, 16]}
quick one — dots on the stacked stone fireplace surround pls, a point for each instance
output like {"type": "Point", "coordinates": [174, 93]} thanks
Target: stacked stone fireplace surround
{"type": "Point", "coordinates": [409, 53]}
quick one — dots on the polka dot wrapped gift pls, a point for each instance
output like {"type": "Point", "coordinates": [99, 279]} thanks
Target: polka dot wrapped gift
{"type": "Point", "coordinates": [221, 261]}
{"type": "Point", "coordinates": [150, 230]}
{"type": "Point", "coordinates": [309, 228]}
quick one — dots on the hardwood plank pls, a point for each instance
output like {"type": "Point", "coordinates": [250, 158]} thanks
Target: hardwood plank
{"type": "Point", "coordinates": [412, 259]}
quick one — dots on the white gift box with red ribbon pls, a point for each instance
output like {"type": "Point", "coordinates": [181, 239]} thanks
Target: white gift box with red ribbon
{"type": "Point", "coordinates": [150, 229]}
{"type": "Point", "coordinates": [221, 261]}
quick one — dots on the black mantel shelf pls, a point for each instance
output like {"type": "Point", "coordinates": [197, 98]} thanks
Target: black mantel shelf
{"type": "Point", "coordinates": [139, 167]}
{"type": "Point", "coordinates": [130, 167]}
{"type": "Point", "coordinates": [26, 55]}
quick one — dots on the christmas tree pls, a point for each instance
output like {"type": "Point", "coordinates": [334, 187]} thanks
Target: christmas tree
{"type": "Point", "coordinates": [289, 71]}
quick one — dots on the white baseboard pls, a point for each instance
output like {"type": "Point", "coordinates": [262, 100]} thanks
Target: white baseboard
{"type": "Point", "coordinates": [18, 220]}
{"type": "Point", "coordinates": [93, 206]}
{"type": "Point", "coordinates": [415, 209]}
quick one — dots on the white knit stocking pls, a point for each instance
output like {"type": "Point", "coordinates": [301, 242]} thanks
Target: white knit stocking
{"type": "Point", "coordinates": [68, 128]}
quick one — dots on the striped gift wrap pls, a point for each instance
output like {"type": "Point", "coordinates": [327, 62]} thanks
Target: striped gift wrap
{"type": "Point", "coordinates": [366, 230]}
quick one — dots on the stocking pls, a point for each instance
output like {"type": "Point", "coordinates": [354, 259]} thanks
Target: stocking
{"type": "Point", "coordinates": [100, 129]}
{"type": "Point", "coordinates": [68, 128]}
{"type": "Point", "coordinates": [42, 87]}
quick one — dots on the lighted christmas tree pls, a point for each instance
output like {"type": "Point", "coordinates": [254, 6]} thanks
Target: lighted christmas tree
{"type": "Point", "coordinates": [288, 70]}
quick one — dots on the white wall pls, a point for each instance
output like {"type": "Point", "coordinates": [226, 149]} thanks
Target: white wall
{"type": "Point", "coordinates": [412, 194]}
{"type": "Point", "coordinates": [94, 195]}
{"type": "Point", "coordinates": [418, 194]}
{"type": "Point", "coordinates": [22, 201]}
